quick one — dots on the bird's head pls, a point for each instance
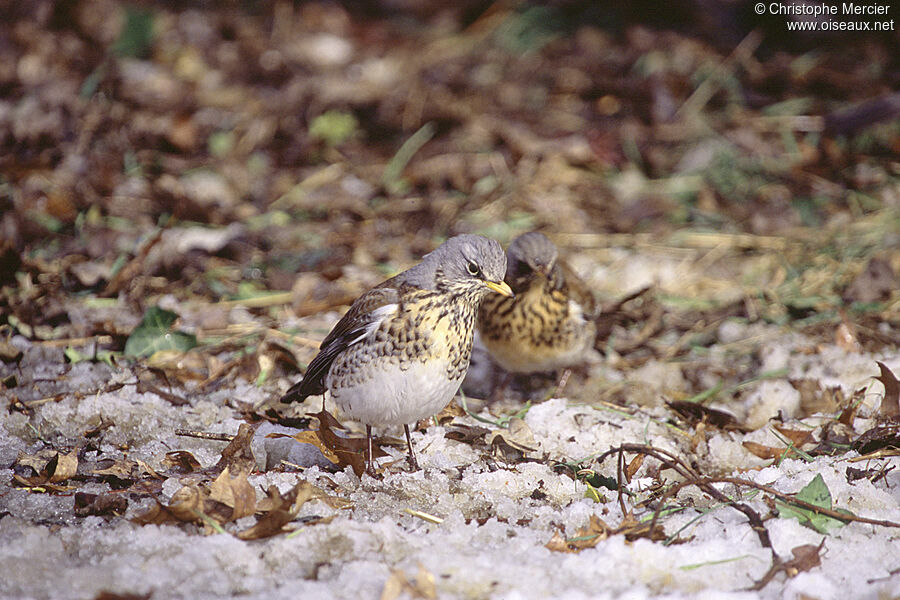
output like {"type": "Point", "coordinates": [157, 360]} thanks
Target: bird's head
{"type": "Point", "coordinates": [530, 255]}
{"type": "Point", "coordinates": [471, 261]}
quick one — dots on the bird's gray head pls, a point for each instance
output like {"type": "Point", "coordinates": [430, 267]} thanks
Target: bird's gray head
{"type": "Point", "coordinates": [464, 259]}
{"type": "Point", "coordinates": [529, 254]}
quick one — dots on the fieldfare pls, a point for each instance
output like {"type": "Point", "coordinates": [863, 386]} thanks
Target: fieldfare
{"type": "Point", "coordinates": [401, 351]}
{"type": "Point", "coordinates": [549, 324]}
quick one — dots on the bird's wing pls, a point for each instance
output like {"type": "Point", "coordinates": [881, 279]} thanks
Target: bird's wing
{"type": "Point", "coordinates": [363, 317]}
{"type": "Point", "coordinates": [578, 290]}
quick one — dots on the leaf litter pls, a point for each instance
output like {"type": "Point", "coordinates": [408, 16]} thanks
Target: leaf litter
{"type": "Point", "coordinates": [187, 208]}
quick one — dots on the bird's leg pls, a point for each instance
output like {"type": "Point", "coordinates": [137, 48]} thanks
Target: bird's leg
{"type": "Point", "coordinates": [563, 380]}
{"type": "Point", "coordinates": [370, 469]}
{"type": "Point", "coordinates": [500, 388]}
{"type": "Point", "coordinates": [412, 457]}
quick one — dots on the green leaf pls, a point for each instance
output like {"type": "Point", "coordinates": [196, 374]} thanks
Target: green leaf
{"type": "Point", "coordinates": [221, 143]}
{"type": "Point", "coordinates": [392, 177]}
{"type": "Point", "coordinates": [154, 333]}
{"type": "Point", "coordinates": [334, 127]}
{"type": "Point", "coordinates": [136, 36]}
{"type": "Point", "coordinates": [818, 494]}
{"type": "Point", "coordinates": [108, 357]}
{"type": "Point", "coordinates": [105, 356]}
{"type": "Point", "coordinates": [592, 493]}
{"type": "Point", "coordinates": [74, 356]}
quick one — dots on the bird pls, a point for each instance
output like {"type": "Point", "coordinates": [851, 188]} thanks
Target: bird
{"type": "Point", "coordinates": [402, 349]}
{"type": "Point", "coordinates": [549, 323]}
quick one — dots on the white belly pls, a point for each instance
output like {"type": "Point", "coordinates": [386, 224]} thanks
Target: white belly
{"type": "Point", "coordinates": [395, 396]}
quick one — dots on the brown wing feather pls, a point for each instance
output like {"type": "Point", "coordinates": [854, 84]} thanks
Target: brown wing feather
{"type": "Point", "coordinates": [578, 290]}
{"type": "Point", "coordinates": [346, 332]}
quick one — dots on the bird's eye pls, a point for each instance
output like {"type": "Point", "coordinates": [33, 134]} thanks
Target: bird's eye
{"type": "Point", "coordinates": [473, 269]}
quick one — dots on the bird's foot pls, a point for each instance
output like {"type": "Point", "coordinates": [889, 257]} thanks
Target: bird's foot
{"type": "Point", "coordinates": [413, 463]}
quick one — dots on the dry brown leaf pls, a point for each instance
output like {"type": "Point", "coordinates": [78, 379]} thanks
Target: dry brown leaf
{"type": "Point", "coordinates": [99, 505]}
{"type": "Point", "coordinates": [699, 435]}
{"type": "Point", "coordinates": [834, 437]}
{"type": "Point", "coordinates": [762, 451]}
{"type": "Point", "coordinates": [312, 437]}
{"type": "Point", "coordinates": [394, 586]}
{"type": "Point", "coordinates": [878, 438]}
{"type": "Point", "coordinates": [816, 399]}
{"type": "Point", "coordinates": [348, 450]}
{"type": "Point", "coordinates": [120, 469]}
{"type": "Point", "coordinates": [634, 529]}
{"type": "Point", "coordinates": [9, 353]}
{"type": "Point", "coordinates": [237, 455]}
{"type": "Point", "coordinates": [40, 483]}
{"type": "Point", "coordinates": [148, 470]}
{"type": "Point", "coordinates": [96, 430]}
{"type": "Point", "coordinates": [423, 586]}
{"type": "Point", "coordinates": [282, 510]}
{"type": "Point", "coordinates": [187, 503]}
{"type": "Point", "coordinates": [846, 337]}
{"type": "Point", "coordinates": [633, 466]}
{"type": "Point", "coordinates": [513, 443]}
{"type": "Point", "coordinates": [467, 434]}
{"type": "Point", "coordinates": [234, 492]}
{"type": "Point", "coordinates": [558, 543]}
{"type": "Point", "coordinates": [335, 502]}
{"type": "Point", "coordinates": [587, 537]}
{"type": "Point", "coordinates": [450, 412]}
{"type": "Point", "coordinates": [107, 595]}
{"type": "Point", "coordinates": [848, 415]}
{"type": "Point", "coordinates": [273, 500]}
{"type": "Point", "coordinates": [890, 404]}
{"type": "Point", "coordinates": [695, 412]}
{"type": "Point", "coordinates": [798, 437]}
{"type": "Point", "coordinates": [156, 514]}
{"type": "Point", "coordinates": [182, 461]}
{"type": "Point", "coordinates": [806, 557]}
{"type": "Point", "coordinates": [63, 466]}
{"type": "Point", "coordinates": [37, 462]}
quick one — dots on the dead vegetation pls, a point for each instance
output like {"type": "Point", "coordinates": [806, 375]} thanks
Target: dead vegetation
{"type": "Point", "coordinates": [188, 194]}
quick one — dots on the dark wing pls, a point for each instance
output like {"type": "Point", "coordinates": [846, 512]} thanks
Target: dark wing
{"type": "Point", "coordinates": [578, 290]}
{"type": "Point", "coordinates": [349, 330]}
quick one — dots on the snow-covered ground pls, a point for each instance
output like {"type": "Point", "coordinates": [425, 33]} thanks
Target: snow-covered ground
{"type": "Point", "coordinates": [497, 517]}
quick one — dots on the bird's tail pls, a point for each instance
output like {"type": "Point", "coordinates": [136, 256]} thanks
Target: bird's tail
{"type": "Point", "coordinates": [300, 390]}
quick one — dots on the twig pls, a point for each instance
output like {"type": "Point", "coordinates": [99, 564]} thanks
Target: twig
{"type": "Point", "coordinates": [131, 270]}
{"type": "Point", "coordinates": [424, 516]}
{"type": "Point", "coordinates": [261, 301]}
{"type": "Point", "coordinates": [79, 341]}
{"type": "Point", "coordinates": [791, 499]}
{"type": "Point", "coordinates": [205, 435]}
{"type": "Point", "coordinates": [706, 90]}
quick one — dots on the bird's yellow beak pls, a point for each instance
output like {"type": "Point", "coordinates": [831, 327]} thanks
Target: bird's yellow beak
{"type": "Point", "coordinates": [500, 288]}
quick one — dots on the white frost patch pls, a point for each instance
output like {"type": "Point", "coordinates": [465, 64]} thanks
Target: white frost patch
{"type": "Point", "coordinates": [771, 399]}
{"type": "Point", "coordinates": [497, 517]}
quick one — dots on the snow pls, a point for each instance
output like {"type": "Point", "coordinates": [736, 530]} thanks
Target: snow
{"type": "Point", "coordinates": [497, 517]}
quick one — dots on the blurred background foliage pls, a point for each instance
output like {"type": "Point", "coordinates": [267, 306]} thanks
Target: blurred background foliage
{"type": "Point", "coordinates": [223, 152]}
